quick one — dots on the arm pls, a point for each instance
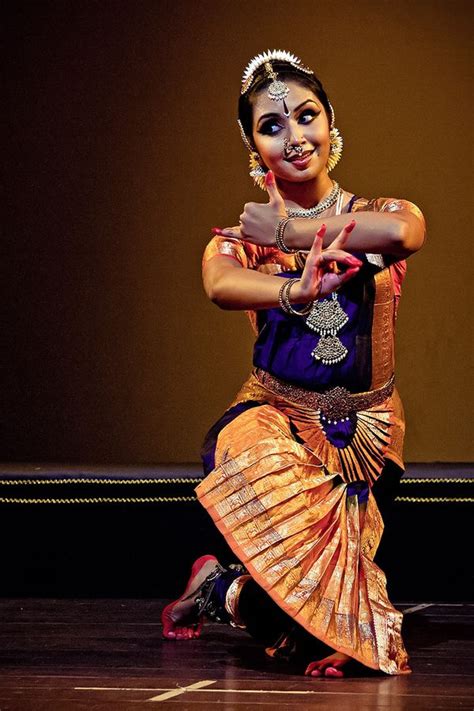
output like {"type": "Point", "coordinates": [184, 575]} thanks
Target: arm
{"type": "Point", "coordinates": [390, 227]}
{"type": "Point", "coordinates": [231, 286]}
{"type": "Point", "coordinates": [398, 233]}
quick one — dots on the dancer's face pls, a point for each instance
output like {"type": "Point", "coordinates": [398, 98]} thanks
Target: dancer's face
{"type": "Point", "coordinates": [307, 126]}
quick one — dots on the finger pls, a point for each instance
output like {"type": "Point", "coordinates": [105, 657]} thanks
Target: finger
{"type": "Point", "coordinates": [228, 231]}
{"type": "Point", "coordinates": [314, 258]}
{"type": "Point", "coordinates": [331, 282]}
{"type": "Point", "coordinates": [341, 238]}
{"type": "Point", "coordinates": [348, 274]}
{"type": "Point", "coordinates": [273, 193]}
{"type": "Point", "coordinates": [314, 255]}
{"type": "Point", "coordinates": [313, 270]}
{"type": "Point", "coordinates": [341, 257]}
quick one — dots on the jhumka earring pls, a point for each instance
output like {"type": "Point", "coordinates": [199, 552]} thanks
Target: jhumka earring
{"type": "Point", "coordinates": [256, 171]}
{"type": "Point", "coordinates": [335, 143]}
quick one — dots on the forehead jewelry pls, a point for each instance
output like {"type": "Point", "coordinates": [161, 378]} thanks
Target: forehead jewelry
{"type": "Point", "coordinates": [274, 55]}
{"type": "Point", "coordinates": [278, 90]}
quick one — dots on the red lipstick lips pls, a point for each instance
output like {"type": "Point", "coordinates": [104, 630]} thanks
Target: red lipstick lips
{"type": "Point", "coordinates": [301, 157]}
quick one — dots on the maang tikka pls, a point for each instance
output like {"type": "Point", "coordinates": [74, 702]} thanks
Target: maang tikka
{"type": "Point", "coordinates": [278, 90]}
{"type": "Point", "coordinates": [256, 171]}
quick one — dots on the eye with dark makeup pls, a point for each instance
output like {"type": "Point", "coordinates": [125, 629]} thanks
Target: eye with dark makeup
{"type": "Point", "coordinates": [272, 126]}
{"type": "Point", "coordinates": [308, 115]}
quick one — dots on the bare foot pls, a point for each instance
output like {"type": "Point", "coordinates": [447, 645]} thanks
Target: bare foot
{"type": "Point", "coordinates": [179, 618]}
{"type": "Point", "coordinates": [329, 666]}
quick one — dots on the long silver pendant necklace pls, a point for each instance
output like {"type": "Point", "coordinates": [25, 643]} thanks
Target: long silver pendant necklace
{"type": "Point", "coordinates": [326, 318]}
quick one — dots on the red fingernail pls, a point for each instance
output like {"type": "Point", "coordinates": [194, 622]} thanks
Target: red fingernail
{"type": "Point", "coordinates": [269, 177]}
{"type": "Point", "coordinates": [321, 230]}
{"type": "Point", "coordinates": [216, 231]}
{"type": "Point", "coordinates": [350, 226]}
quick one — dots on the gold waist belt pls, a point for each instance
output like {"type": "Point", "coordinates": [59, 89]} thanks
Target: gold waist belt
{"type": "Point", "coordinates": [335, 403]}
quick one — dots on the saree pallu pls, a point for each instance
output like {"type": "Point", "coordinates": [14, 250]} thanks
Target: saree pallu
{"type": "Point", "coordinates": [305, 529]}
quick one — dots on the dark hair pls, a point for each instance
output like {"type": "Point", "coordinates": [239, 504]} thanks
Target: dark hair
{"type": "Point", "coordinates": [262, 80]}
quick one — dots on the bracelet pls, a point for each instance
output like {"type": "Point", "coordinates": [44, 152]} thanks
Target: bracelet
{"type": "Point", "coordinates": [279, 232]}
{"type": "Point", "coordinates": [284, 299]}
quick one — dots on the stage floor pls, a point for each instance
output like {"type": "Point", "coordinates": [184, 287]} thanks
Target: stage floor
{"type": "Point", "coordinates": [107, 654]}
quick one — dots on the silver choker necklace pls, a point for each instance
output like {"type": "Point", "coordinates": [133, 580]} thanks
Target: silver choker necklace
{"type": "Point", "coordinates": [331, 199]}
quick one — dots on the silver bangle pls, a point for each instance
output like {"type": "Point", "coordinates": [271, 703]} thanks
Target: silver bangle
{"type": "Point", "coordinates": [284, 299]}
{"type": "Point", "coordinates": [279, 233]}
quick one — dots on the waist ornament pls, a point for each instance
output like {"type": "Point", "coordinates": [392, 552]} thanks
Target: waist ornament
{"type": "Point", "coordinates": [336, 403]}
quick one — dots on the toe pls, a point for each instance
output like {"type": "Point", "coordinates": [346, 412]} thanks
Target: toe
{"type": "Point", "coordinates": [313, 669]}
{"type": "Point", "coordinates": [331, 671]}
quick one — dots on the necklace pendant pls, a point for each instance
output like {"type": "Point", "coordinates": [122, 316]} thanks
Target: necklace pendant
{"type": "Point", "coordinates": [329, 350]}
{"type": "Point", "coordinates": [327, 316]}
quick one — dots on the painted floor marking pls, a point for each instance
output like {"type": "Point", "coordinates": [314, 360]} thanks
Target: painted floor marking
{"type": "Point", "coordinates": [198, 687]}
{"type": "Point", "coordinates": [182, 690]}
{"type": "Point", "coordinates": [415, 608]}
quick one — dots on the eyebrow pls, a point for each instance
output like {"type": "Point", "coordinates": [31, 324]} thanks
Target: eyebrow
{"type": "Point", "coordinates": [275, 113]}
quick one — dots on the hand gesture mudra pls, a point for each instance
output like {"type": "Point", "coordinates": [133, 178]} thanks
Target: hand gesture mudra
{"type": "Point", "coordinates": [259, 221]}
{"type": "Point", "coordinates": [326, 269]}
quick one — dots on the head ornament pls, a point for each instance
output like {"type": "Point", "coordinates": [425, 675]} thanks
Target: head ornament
{"type": "Point", "coordinates": [278, 91]}
{"type": "Point", "coordinates": [274, 55]}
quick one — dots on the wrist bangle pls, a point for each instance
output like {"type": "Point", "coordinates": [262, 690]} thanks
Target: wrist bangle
{"type": "Point", "coordinates": [279, 233]}
{"type": "Point", "coordinates": [284, 299]}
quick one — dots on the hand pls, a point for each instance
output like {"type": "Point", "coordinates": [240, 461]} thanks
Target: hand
{"type": "Point", "coordinates": [258, 221]}
{"type": "Point", "coordinates": [322, 274]}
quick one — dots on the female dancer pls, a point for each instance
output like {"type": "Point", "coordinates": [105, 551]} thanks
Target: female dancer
{"type": "Point", "coordinates": [293, 464]}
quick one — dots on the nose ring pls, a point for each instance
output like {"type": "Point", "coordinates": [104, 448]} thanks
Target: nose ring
{"type": "Point", "coordinates": [289, 149]}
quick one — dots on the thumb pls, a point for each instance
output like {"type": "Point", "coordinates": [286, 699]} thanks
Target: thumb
{"type": "Point", "coordinates": [273, 193]}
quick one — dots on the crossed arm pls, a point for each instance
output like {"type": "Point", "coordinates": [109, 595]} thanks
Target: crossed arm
{"type": "Point", "coordinates": [397, 234]}
{"type": "Point", "coordinates": [229, 285]}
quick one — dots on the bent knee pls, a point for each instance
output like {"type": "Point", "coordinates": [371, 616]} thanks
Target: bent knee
{"type": "Point", "coordinates": [251, 427]}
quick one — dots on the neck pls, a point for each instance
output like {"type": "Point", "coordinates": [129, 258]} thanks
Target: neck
{"type": "Point", "coordinates": [306, 194]}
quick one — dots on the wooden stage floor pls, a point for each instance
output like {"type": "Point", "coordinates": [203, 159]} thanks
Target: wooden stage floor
{"type": "Point", "coordinates": [107, 654]}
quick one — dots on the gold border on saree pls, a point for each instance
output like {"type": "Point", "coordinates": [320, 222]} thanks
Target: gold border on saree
{"type": "Point", "coordinates": [336, 403]}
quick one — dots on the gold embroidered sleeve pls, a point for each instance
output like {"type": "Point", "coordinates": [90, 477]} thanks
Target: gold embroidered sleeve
{"type": "Point", "coordinates": [227, 247]}
{"type": "Point", "coordinates": [384, 204]}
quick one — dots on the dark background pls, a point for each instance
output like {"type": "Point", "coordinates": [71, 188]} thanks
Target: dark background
{"type": "Point", "coordinates": [122, 151]}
